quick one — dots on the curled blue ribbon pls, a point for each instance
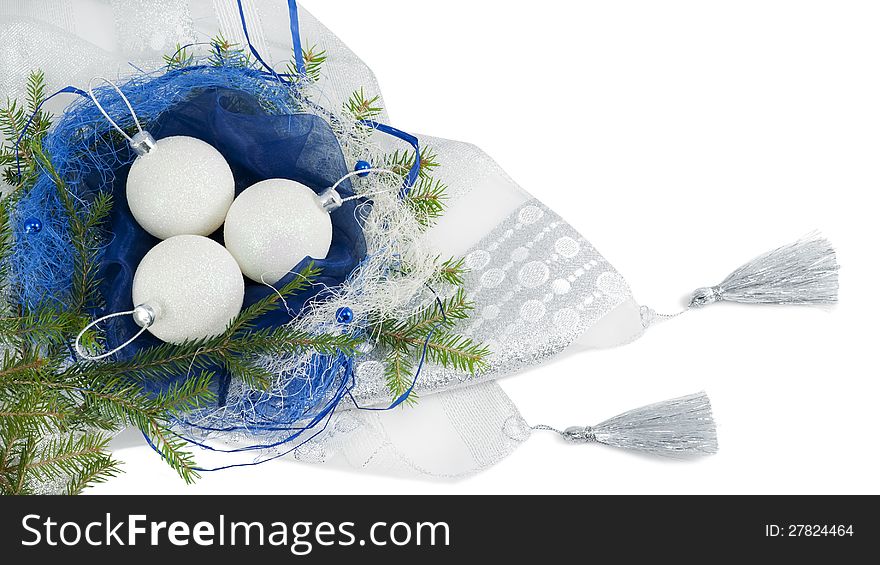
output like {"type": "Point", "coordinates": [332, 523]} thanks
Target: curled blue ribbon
{"type": "Point", "coordinates": [413, 174]}
{"type": "Point", "coordinates": [65, 90]}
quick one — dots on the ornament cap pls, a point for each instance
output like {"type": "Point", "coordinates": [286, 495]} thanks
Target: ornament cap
{"type": "Point", "coordinates": [142, 143]}
{"type": "Point", "coordinates": [330, 200]}
{"type": "Point", "coordinates": [144, 315]}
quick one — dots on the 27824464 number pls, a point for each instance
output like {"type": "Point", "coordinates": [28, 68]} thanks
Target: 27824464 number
{"type": "Point", "coordinates": [808, 530]}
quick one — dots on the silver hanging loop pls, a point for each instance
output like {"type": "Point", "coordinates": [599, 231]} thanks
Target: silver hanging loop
{"type": "Point", "coordinates": [144, 316]}
{"type": "Point", "coordinates": [142, 142]}
{"type": "Point", "coordinates": [331, 200]}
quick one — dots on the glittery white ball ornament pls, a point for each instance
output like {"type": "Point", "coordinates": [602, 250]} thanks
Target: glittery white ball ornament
{"type": "Point", "coordinates": [275, 224]}
{"type": "Point", "coordinates": [178, 185]}
{"type": "Point", "coordinates": [191, 285]}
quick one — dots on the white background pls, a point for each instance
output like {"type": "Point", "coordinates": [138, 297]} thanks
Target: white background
{"type": "Point", "coordinates": [681, 138]}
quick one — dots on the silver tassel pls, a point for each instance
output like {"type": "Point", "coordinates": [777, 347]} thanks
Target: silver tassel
{"type": "Point", "coordinates": [803, 272]}
{"type": "Point", "coordinates": [680, 427]}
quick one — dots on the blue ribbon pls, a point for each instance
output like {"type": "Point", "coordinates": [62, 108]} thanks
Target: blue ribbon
{"type": "Point", "coordinates": [413, 174]}
{"type": "Point", "coordinates": [318, 422]}
{"type": "Point", "coordinates": [253, 49]}
{"type": "Point", "coordinates": [294, 33]}
{"type": "Point", "coordinates": [65, 90]}
{"type": "Point", "coordinates": [400, 399]}
{"type": "Point", "coordinates": [314, 422]}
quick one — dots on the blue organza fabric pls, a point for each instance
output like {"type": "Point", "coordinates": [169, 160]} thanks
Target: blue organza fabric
{"type": "Point", "coordinates": [257, 146]}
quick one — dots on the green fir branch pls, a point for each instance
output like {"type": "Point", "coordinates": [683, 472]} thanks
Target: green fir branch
{"type": "Point", "coordinates": [305, 279]}
{"type": "Point", "coordinates": [12, 120]}
{"type": "Point", "coordinates": [181, 58]}
{"type": "Point", "coordinates": [31, 414]}
{"type": "Point", "coordinates": [458, 352]}
{"type": "Point", "coordinates": [68, 455]}
{"type": "Point", "coordinates": [15, 367]}
{"type": "Point", "coordinates": [193, 393]}
{"type": "Point", "coordinates": [443, 313]}
{"type": "Point", "coordinates": [427, 200]}
{"type": "Point", "coordinates": [112, 401]}
{"type": "Point", "coordinates": [97, 470]}
{"type": "Point", "coordinates": [362, 108]}
{"type": "Point", "coordinates": [399, 374]}
{"type": "Point", "coordinates": [172, 448]}
{"type": "Point", "coordinates": [225, 53]}
{"type": "Point", "coordinates": [314, 60]}
{"type": "Point", "coordinates": [26, 122]}
{"type": "Point", "coordinates": [36, 91]}
{"type": "Point", "coordinates": [451, 272]}
{"type": "Point", "coordinates": [248, 371]}
{"type": "Point", "coordinates": [6, 241]}
{"type": "Point", "coordinates": [429, 329]}
{"type": "Point", "coordinates": [446, 349]}
{"type": "Point", "coordinates": [402, 161]}
{"type": "Point", "coordinates": [16, 454]}
{"type": "Point", "coordinates": [45, 326]}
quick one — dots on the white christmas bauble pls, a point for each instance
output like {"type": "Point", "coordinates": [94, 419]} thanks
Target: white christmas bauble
{"type": "Point", "coordinates": [181, 186]}
{"type": "Point", "coordinates": [273, 225]}
{"type": "Point", "coordinates": [193, 286]}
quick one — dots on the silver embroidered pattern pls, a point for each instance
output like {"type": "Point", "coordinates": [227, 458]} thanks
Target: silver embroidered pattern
{"type": "Point", "coordinates": [537, 285]}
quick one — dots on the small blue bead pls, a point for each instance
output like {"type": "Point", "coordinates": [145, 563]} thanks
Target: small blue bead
{"type": "Point", "coordinates": [362, 166]}
{"type": "Point", "coordinates": [33, 225]}
{"type": "Point", "coordinates": [344, 315]}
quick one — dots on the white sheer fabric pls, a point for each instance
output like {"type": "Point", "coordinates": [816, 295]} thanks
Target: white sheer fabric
{"type": "Point", "coordinates": [541, 288]}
